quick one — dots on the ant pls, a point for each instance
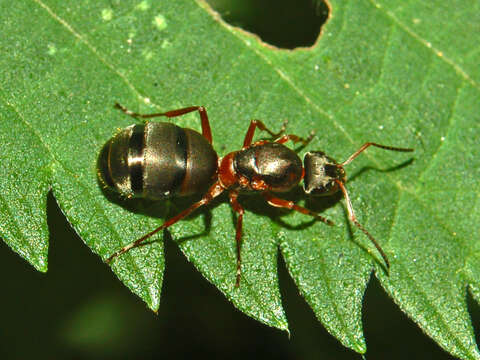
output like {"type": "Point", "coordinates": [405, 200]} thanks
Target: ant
{"type": "Point", "coordinates": [158, 160]}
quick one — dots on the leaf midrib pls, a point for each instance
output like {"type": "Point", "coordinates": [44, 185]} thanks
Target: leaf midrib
{"type": "Point", "coordinates": [441, 54]}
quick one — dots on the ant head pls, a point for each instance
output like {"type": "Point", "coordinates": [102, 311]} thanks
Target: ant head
{"type": "Point", "coordinates": [321, 171]}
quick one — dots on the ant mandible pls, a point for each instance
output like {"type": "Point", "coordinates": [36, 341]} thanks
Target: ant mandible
{"type": "Point", "coordinates": [158, 160]}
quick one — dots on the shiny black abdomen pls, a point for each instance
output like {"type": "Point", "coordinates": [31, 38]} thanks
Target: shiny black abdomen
{"type": "Point", "coordinates": [157, 160]}
{"type": "Point", "coordinates": [276, 164]}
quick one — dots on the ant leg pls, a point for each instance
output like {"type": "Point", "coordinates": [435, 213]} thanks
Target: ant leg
{"type": "Point", "coordinates": [366, 145]}
{"type": "Point", "coordinates": [282, 203]}
{"type": "Point", "coordinates": [295, 139]}
{"type": "Point", "coordinates": [353, 218]}
{"type": "Point", "coordinates": [215, 190]}
{"type": "Point", "coordinates": [233, 195]}
{"type": "Point", "coordinates": [206, 131]}
{"type": "Point", "coordinates": [257, 123]}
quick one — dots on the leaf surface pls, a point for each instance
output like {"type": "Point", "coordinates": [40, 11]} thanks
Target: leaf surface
{"type": "Point", "coordinates": [399, 73]}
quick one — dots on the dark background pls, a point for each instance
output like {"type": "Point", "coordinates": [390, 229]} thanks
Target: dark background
{"type": "Point", "coordinates": [79, 310]}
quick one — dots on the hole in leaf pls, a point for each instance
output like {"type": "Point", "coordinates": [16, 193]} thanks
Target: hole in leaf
{"type": "Point", "coordinates": [282, 23]}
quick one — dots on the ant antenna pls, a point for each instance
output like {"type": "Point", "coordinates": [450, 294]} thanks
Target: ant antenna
{"type": "Point", "coordinates": [351, 213]}
{"type": "Point", "coordinates": [353, 218]}
{"type": "Point", "coordinates": [366, 145]}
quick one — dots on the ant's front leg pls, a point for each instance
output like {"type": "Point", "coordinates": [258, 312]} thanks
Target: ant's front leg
{"type": "Point", "coordinates": [233, 195]}
{"type": "Point", "coordinates": [282, 203]}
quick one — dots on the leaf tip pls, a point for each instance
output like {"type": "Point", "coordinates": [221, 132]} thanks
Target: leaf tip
{"type": "Point", "coordinates": [360, 348]}
{"type": "Point", "coordinates": [41, 264]}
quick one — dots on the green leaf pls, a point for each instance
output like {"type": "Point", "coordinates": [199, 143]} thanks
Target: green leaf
{"type": "Point", "coordinates": [403, 74]}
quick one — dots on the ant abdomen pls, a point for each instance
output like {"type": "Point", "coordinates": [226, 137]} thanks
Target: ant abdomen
{"type": "Point", "coordinates": [157, 160]}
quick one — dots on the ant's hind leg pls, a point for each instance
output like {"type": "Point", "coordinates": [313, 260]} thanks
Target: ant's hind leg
{"type": "Point", "coordinates": [215, 190]}
{"type": "Point", "coordinates": [206, 131]}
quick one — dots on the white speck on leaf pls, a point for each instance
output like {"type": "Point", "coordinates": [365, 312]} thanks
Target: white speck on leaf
{"type": "Point", "coordinates": [160, 22]}
{"type": "Point", "coordinates": [107, 14]}
{"type": "Point", "coordinates": [147, 54]}
{"type": "Point", "coordinates": [52, 49]}
{"type": "Point", "coordinates": [165, 44]}
{"type": "Point", "coordinates": [144, 5]}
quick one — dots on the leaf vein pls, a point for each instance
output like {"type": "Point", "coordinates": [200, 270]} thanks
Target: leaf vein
{"type": "Point", "coordinates": [20, 234]}
{"type": "Point", "coordinates": [50, 153]}
{"type": "Point", "coordinates": [435, 155]}
{"type": "Point", "coordinates": [333, 302]}
{"type": "Point", "coordinates": [427, 44]}
{"type": "Point", "coordinates": [438, 314]}
{"type": "Point", "coordinates": [90, 46]}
